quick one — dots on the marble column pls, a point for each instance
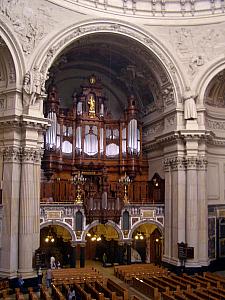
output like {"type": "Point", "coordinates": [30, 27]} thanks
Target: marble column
{"type": "Point", "coordinates": [202, 212]}
{"type": "Point", "coordinates": [174, 208]}
{"type": "Point", "coordinates": [167, 216]}
{"type": "Point", "coordinates": [192, 238]}
{"type": "Point", "coordinates": [11, 169]}
{"type": "Point", "coordinates": [82, 255]}
{"type": "Point", "coordinates": [29, 210]}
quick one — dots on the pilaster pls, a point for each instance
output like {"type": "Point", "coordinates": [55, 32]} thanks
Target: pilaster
{"type": "Point", "coordinates": [10, 193]}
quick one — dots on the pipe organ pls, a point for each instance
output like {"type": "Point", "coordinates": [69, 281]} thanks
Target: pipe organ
{"type": "Point", "coordinates": [86, 139]}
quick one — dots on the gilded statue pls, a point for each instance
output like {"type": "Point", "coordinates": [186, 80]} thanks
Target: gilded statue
{"type": "Point", "coordinates": [91, 103]}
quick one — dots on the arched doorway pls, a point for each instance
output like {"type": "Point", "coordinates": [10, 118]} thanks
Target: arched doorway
{"type": "Point", "coordinates": [55, 241]}
{"type": "Point", "coordinates": [147, 244]}
{"type": "Point", "coordinates": [102, 238]}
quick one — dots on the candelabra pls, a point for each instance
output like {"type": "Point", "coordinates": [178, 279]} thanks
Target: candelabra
{"type": "Point", "coordinates": [125, 181]}
{"type": "Point", "coordinates": [78, 180]}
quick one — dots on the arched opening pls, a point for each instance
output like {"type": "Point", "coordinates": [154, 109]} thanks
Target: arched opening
{"type": "Point", "coordinates": [55, 241]}
{"type": "Point", "coordinates": [102, 238]}
{"type": "Point", "coordinates": [147, 244]}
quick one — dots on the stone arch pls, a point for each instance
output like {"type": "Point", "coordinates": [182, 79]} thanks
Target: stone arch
{"type": "Point", "coordinates": [49, 51]}
{"type": "Point", "coordinates": [159, 225]}
{"type": "Point", "coordinates": [206, 75]}
{"type": "Point", "coordinates": [15, 53]}
{"type": "Point", "coordinates": [95, 223]}
{"type": "Point", "coordinates": [62, 224]}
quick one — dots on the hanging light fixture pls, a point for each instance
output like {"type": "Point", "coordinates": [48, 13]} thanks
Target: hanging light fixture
{"type": "Point", "coordinates": [139, 236]}
{"type": "Point", "coordinates": [49, 237]}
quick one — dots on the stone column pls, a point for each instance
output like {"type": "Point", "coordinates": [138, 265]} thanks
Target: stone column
{"type": "Point", "coordinates": [29, 209]}
{"type": "Point", "coordinates": [192, 237]}
{"type": "Point", "coordinates": [120, 252]}
{"type": "Point", "coordinates": [10, 216]}
{"type": "Point", "coordinates": [148, 248]}
{"type": "Point", "coordinates": [167, 215]}
{"type": "Point", "coordinates": [82, 255]}
{"type": "Point", "coordinates": [74, 254]}
{"type": "Point", "coordinates": [202, 212]}
{"type": "Point", "coordinates": [128, 253]}
{"type": "Point", "coordinates": [174, 208]}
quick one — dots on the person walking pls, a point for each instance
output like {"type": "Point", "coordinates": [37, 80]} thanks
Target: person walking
{"type": "Point", "coordinates": [49, 277]}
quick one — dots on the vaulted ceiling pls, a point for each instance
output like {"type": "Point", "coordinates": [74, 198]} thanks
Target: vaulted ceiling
{"type": "Point", "coordinates": [124, 66]}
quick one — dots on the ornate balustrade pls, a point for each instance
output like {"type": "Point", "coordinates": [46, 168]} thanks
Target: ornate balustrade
{"type": "Point", "coordinates": [155, 8]}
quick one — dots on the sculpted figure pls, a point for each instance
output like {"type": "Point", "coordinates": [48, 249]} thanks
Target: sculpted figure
{"type": "Point", "coordinates": [190, 112]}
{"type": "Point", "coordinates": [33, 86]}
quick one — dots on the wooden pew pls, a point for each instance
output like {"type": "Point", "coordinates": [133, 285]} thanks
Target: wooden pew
{"type": "Point", "coordinates": [216, 293]}
{"type": "Point", "coordinates": [174, 281]}
{"type": "Point", "coordinates": [103, 288]}
{"type": "Point", "coordinates": [146, 289]}
{"type": "Point", "coordinates": [203, 294]}
{"type": "Point", "coordinates": [202, 282]}
{"type": "Point", "coordinates": [212, 282]}
{"type": "Point", "coordinates": [79, 290]}
{"type": "Point", "coordinates": [151, 281]}
{"type": "Point", "coordinates": [31, 294]}
{"type": "Point", "coordinates": [44, 294]}
{"type": "Point", "coordinates": [186, 281]}
{"type": "Point", "coordinates": [164, 282]}
{"type": "Point", "coordinates": [114, 287]}
{"type": "Point", "coordinates": [94, 293]}
{"type": "Point", "coordinates": [56, 293]}
{"type": "Point", "coordinates": [216, 277]}
{"type": "Point", "coordinates": [191, 295]}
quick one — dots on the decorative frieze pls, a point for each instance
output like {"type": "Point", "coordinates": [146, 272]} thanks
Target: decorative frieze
{"type": "Point", "coordinates": [183, 163]}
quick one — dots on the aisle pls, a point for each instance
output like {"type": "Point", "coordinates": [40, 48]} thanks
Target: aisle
{"type": "Point", "coordinates": [109, 272]}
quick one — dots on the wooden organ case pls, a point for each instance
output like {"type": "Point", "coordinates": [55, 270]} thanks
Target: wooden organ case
{"type": "Point", "coordinates": [86, 141]}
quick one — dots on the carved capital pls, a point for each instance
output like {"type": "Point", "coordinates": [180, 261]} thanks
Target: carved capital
{"type": "Point", "coordinates": [192, 162]}
{"type": "Point", "coordinates": [12, 154]}
{"type": "Point", "coordinates": [177, 163]}
{"type": "Point", "coordinates": [31, 155]}
{"type": "Point", "coordinates": [202, 163]}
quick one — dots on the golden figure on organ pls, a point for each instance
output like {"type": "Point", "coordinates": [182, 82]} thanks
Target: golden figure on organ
{"type": "Point", "coordinates": [91, 103]}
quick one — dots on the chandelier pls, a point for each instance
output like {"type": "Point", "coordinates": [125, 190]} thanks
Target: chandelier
{"type": "Point", "coordinates": [125, 181]}
{"type": "Point", "coordinates": [49, 237]}
{"type": "Point", "coordinates": [94, 237]}
{"type": "Point", "coordinates": [139, 236]}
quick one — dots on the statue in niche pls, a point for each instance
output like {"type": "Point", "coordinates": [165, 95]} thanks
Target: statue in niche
{"type": "Point", "coordinates": [190, 111]}
{"type": "Point", "coordinates": [33, 86]}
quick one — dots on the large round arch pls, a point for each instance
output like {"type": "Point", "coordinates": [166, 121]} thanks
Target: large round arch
{"type": "Point", "coordinates": [170, 72]}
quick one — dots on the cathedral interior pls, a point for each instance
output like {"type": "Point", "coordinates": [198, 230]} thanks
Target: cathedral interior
{"type": "Point", "coordinates": [112, 134]}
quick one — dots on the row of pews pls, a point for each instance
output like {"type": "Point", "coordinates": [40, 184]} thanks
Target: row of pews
{"type": "Point", "coordinates": [88, 284]}
{"type": "Point", "coordinates": [167, 287]}
{"type": "Point", "coordinates": [127, 272]}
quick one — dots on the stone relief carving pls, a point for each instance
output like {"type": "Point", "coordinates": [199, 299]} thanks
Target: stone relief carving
{"type": "Point", "coordinates": [154, 129]}
{"type": "Point", "coordinates": [218, 125]}
{"type": "Point", "coordinates": [168, 95]}
{"type": "Point", "coordinates": [33, 86]}
{"type": "Point", "coordinates": [2, 104]}
{"type": "Point", "coordinates": [196, 46]}
{"type": "Point", "coordinates": [30, 22]}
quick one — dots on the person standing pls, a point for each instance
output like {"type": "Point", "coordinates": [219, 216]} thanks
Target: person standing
{"type": "Point", "coordinates": [49, 277]}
